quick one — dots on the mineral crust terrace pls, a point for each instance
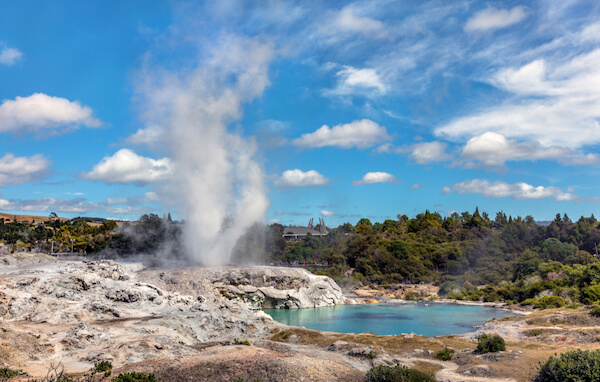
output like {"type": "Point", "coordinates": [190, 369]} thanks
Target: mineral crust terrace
{"type": "Point", "coordinates": [79, 313]}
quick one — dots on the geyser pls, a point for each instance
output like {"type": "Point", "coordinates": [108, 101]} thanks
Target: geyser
{"type": "Point", "coordinates": [216, 173]}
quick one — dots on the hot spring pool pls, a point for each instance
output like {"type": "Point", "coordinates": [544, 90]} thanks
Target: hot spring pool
{"type": "Point", "coordinates": [428, 319]}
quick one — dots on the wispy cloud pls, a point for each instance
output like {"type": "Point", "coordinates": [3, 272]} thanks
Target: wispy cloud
{"type": "Point", "coordinates": [552, 101]}
{"type": "Point", "coordinates": [493, 18]}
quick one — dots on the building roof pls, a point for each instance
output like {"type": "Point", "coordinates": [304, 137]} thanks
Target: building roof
{"type": "Point", "coordinates": [301, 231]}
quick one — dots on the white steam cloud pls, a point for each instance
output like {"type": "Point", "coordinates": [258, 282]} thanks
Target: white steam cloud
{"type": "Point", "coordinates": [216, 176]}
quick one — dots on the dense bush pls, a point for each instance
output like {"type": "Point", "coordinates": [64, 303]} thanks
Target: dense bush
{"type": "Point", "coordinates": [490, 344]}
{"type": "Point", "coordinates": [595, 311]}
{"type": "Point", "coordinates": [445, 354]}
{"type": "Point", "coordinates": [6, 373]}
{"type": "Point", "coordinates": [102, 367]}
{"type": "Point", "coordinates": [135, 377]}
{"type": "Point", "coordinates": [397, 373]}
{"type": "Point", "coordinates": [574, 366]}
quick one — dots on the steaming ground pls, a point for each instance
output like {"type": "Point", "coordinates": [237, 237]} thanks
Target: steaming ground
{"type": "Point", "coordinates": [182, 324]}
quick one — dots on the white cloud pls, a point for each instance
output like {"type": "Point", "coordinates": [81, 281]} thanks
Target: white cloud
{"type": "Point", "coordinates": [115, 201]}
{"type": "Point", "coordinates": [360, 134]}
{"type": "Point", "coordinates": [125, 166]}
{"type": "Point", "coordinates": [375, 177]}
{"type": "Point", "coordinates": [76, 206]}
{"type": "Point", "coordinates": [519, 191]}
{"type": "Point", "coordinates": [493, 18]}
{"type": "Point", "coordinates": [299, 178]}
{"type": "Point", "coordinates": [128, 210]}
{"type": "Point", "coordinates": [493, 150]}
{"type": "Point", "coordinates": [349, 21]}
{"type": "Point", "coordinates": [416, 186]}
{"type": "Point", "coordinates": [150, 197]}
{"type": "Point", "coordinates": [149, 136]}
{"type": "Point", "coordinates": [354, 80]}
{"type": "Point", "coordinates": [588, 159]}
{"type": "Point", "coordinates": [426, 152]}
{"type": "Point", "coordinates": [17, 170]}
{"type": "Point", "coordinates": [10, 56]}
{"type": "Point", "coordinates": [327, 213]}
{"type": "Point", "coordinates": [42, 113]}
{"type": "Point", "coordinates": [556, 104]}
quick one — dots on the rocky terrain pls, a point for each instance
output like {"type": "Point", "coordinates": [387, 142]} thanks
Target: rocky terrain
{"type": "Point", "coordinates": [194, 324]}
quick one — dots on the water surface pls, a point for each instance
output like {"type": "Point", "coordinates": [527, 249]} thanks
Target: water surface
{"type": "Point", "coordinates": [428, 319]}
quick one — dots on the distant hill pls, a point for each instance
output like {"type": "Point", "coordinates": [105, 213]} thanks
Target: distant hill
{"type": "Point", "coordinates": [28, 218]}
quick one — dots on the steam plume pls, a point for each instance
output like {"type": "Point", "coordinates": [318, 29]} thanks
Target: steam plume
{"type": "Point", "coordinates": [216, 173]}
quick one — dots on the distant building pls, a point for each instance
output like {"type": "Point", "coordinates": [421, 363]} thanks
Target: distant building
{"type": "Point", "coordinates": [299, 233]}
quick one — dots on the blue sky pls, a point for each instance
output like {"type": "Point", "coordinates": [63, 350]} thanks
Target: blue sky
{"type": "Point", "coordinates": [292, 110]}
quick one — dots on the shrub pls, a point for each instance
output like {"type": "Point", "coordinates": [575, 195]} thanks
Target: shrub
{"type": "Point", "coordinates": [535, 332]}
{"type": "Point", "coordinates": [397, 373]}
{"type": "Point", "coordinates": [102, 367]}
{"type": "Point", "coordinates": [548, 302]}
{"type": "Point", "coordinates": [490, 344]}
{"type": "Point", "coordinates": [595, 311]}
{"type": "Point", "coordinates": [445, 354]}
{"type": "Point", "coordinates": [135, 377]}
{"type": "Point", "coordinates": [578, 365]}
{"type": "Point", "coordinates": [238, 342]}
{"type": "Point", "coordinates": [529, 301]}
{"type": "Point", "coordinates": [6, 373]}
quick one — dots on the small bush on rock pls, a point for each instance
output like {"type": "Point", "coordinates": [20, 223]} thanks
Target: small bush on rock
{"type": "Point", "coordinates": [490, 344]}
{"type": "Point", "coordinates": [135, 377]}
{"type": "Point", "coordinates": [102, 367]}
{"type": "Point", "coordinates": [445, 354]}
{"type": "Point", "coordinates": [574, 366]}
{"type": "Point", "coordinates": [397, 373]}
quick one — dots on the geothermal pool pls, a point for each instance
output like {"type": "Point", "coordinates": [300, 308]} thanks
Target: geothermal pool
{"type": "Point", "coordinates": [428, 319]}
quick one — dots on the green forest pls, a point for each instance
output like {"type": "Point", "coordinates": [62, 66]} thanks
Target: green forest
{"type": "Point", "coordinates": [469, 255]}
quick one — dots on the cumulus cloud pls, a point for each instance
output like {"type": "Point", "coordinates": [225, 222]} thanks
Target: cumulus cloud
{"type": "Point", "coordinates": [125, 166]}
{"type": "Point", "coordinates": [42, 113]}
{"type": "Point", "coordinates": [518, 191]}
{"type": "Point", "coordinates": [416, 186]}
{"type": "Point", "coordinates": [493, 18]}
{"type": "Point", "coordinates": [17, 170]}
{"type": "Point", "coordinates": [493, 150]}
{"type": "Point", "coordinates": [360, 134]}
{"type": "Point", "coordinates": [9, 56]}
{"type": "Point", "coordinates": [375, 177]}
{"type": "Point", "coordinates": [299, 178]}
{"type": "Point", "coordinates": [556, 104]}
{"type": "Point", "coordinates": [426, 152]}
{"type": "Point", "coordinates": [327, 213]}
